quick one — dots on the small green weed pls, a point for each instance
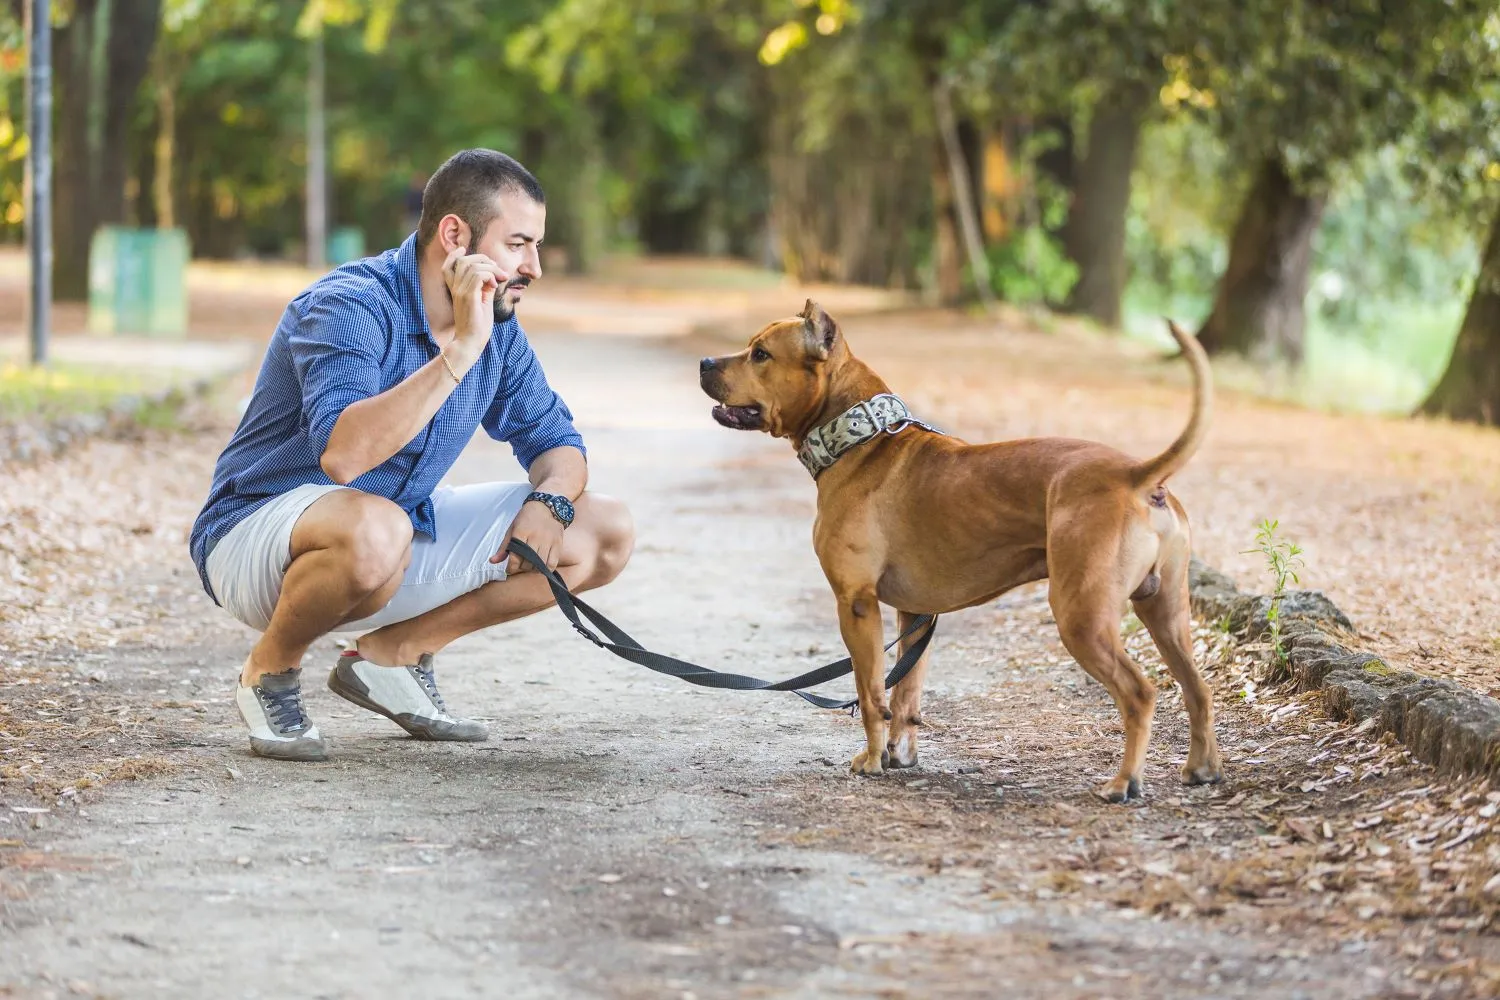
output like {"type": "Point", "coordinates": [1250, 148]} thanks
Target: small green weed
{"type": "Point", "coordinates": [1283, 559]}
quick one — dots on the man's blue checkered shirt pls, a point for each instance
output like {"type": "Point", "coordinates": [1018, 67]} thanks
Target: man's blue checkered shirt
{"type": "Point", "coordinates": [353, 334]}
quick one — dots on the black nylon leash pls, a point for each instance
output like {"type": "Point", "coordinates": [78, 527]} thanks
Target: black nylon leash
{"type": "Point", "coordinates": [623, 646]}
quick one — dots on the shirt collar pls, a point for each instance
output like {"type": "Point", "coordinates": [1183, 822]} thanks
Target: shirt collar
{"type": "Point", "coordinates": [409, 278]}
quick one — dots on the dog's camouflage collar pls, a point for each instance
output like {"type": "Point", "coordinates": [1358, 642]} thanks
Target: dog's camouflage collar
{"type": "Point", "coordinates": [864, 421]}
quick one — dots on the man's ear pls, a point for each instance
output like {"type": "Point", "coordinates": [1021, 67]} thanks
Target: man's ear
{"type": "Point", "coordinates": [454, 232]}
{"type": "Point", "coordinates": [822, 331]}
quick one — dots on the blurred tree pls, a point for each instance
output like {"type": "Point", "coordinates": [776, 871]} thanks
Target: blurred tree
{"type": "Point", "coordinates": [1458, 157]}
{"type": "Point", "coordinates": [661, 94]}
{"type": "Point", "coordinates": [871, 182]}
{"type": "Point", "coordinates": [1088, 72]}
{"type": "Point", "coordinates": [1470, 388]}
{"type": "Point", "coordinates": [859, 186]}
{"type": "Point", "coordinates": [13, 139]}
{"type": "Point", "coordinates": [1306, 88]}
{"type": "Point", "coordinates": [101, 51]}
{"type": "Point", "coordinates": [188, 29]}
{"type": "Point", "coordinates": [1259, 306]}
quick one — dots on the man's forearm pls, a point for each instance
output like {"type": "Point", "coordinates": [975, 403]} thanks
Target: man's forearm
{"type": "Point", "coordinates": [561, 470]}
{"type": "Point", "coordinates": [372, 430]}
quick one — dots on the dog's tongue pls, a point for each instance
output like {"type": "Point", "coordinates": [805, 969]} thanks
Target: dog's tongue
{"type": "Point", "coordinates": [739, 417]}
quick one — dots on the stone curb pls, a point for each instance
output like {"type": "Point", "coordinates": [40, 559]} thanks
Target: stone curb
{"type": "Point", "coordinates": [29, 442]}
{"type": "Point", "coordinates": [1442, 723]}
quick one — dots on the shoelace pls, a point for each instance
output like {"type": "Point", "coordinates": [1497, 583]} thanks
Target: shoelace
{"type": "Point", "coordinates": [284, 708]}
{"type": "Point", "coordinates": [429, 683]}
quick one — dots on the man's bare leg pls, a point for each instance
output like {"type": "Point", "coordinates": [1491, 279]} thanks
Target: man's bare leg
{"type": "Point", "coordinates": [349, 551]}
{"type": "Point", "coordinates": [595, 549]}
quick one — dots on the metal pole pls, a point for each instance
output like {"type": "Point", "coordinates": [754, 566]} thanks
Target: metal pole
{"type": "Point", "coordinates": [39, 166]}
{"type": "Point", "coordinates": [317, 152]}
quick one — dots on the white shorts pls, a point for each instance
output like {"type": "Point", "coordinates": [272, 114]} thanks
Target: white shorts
{"type": "Point", "coordinates": [247, 566]}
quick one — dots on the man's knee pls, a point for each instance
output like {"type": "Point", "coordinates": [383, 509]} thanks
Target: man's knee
{"type": "Point", "coordinates": [375, 540]}
{"type": "Point", "coordinates": [614, 530]}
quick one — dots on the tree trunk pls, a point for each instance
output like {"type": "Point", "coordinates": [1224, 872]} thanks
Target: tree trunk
{"type": "Point", "coordinates": [133, 27]}
{"type": "Point", "coordinates": [1470, 388]}
{"type": "Point", "coordinates": [73, 192]}
{"type": "Point", "coordinates": [315, 202]}
{"type": "Point", "coordinates": [1094, 235]}
{"type": "Point", "coordinates": [1258, 310]}
{"type": "Point", "coordinates": [165, 151]}
{"type": "Point", "coordinates": [101, 58]}
{"type": "Point", "coordinates": [962, 188]}
{"type": "Point", "coordinates": [947, 255]}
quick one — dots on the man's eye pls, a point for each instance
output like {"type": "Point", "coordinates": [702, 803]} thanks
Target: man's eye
{"type": "Point", "coordinates": [760, 354]}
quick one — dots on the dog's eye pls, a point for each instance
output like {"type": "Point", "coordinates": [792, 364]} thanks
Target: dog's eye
{"type": "Point", "coordinates": [760, 354]}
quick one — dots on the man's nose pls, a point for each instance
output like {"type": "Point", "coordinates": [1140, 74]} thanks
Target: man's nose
{"type": "Point", "coordinates": [531, 265]}
{"type": "Point", "coordinates": [707, 365]}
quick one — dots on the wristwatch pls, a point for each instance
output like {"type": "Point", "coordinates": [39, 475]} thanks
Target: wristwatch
{"type": "Point", "coordinates": [560, 506]}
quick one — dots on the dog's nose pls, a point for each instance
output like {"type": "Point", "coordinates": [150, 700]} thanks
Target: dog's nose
{"type": "Point", "coordinates": [707, 365]}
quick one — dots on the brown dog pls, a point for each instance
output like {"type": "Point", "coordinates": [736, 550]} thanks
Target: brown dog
{"type": "Point", "coordinates": [927, 524]}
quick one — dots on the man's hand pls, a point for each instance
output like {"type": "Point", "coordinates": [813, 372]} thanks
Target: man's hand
{"type": "Point", "coordinates": [535, 526]}
{"type": "Point", "coordinates": [473, 280]}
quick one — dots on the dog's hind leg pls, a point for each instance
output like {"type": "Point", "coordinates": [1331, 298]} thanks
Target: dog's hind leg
{"type": "Point", "coordinates": [1086, 594]}
{"type": "Point", "coordinates": [906, 701]}
{"type": "Point", "coordinates": [1166, 617]}
{"type": "Point", "coordinates": [859, 622]}
{"type": "Point", "coordinates": [1094, 642]}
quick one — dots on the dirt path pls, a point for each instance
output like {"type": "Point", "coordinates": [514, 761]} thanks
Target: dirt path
{"type": "Point", "coordinates": [624, 836]}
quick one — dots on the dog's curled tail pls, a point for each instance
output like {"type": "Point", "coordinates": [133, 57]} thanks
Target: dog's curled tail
{"type": "Point", "coordinates": [1158, 470]}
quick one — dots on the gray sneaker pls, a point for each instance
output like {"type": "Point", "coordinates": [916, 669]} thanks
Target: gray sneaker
{"type": "Point", "coordinates": [279, 727]}
{"type": "Point", "coordinates": [408, 696]}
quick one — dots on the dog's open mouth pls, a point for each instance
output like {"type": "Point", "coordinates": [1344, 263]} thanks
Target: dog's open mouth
{"type": "Point", "coordinates": [740, 418]}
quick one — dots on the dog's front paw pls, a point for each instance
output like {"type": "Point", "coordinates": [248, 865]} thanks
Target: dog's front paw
{"type": "Point", "coordinates": [901, 751]}
{"type": "Point", "coordinates": [865, 762]}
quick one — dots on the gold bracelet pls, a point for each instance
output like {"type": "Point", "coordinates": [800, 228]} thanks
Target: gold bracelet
{"type": "Point", "coordinates": [448, 365]}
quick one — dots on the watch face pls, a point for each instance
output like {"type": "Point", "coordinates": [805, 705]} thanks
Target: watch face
{"type": "Point", "coordinates": [560, 506]}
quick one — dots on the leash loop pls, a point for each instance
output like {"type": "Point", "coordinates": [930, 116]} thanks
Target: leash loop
{"type": "Point", "coordinates": [619, 642]}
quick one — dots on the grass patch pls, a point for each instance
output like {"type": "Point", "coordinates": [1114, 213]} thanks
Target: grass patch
{"type": "Point", "coordinates": [65, 390]}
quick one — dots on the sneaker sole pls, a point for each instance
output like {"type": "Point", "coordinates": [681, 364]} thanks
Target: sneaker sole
{"type": "Point", "coordinates": [304, 751]}
{"type": "Point", "coordinates": [421, 729]}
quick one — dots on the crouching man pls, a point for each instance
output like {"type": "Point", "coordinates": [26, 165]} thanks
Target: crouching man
{"type": "Point", "coordinates": [325, 513]}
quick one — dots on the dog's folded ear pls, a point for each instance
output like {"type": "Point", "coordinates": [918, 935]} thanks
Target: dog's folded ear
{"type": "Point", "coordinates": [822, 331]}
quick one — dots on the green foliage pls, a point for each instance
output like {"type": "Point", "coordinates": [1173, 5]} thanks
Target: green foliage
{"type": "Point", "coordinates": [13, 143]}
{"type": "Point", "coordinates": [1379, 246]}
{"type": "Point", "coordinates": [1182, 203]}
{"type": "Point", "coordinates": [1061, 56]}
{"type": "Point", "coordinates": [692, 124]}
{"type": "Point", "coordinates": [666, 89]}
{"type": "Point", "coordinates": [1323, 83]}
{"type": "Point", "coordinates": [1031, 268]}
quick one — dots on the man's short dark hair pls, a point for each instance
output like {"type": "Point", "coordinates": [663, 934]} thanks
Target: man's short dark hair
{"type": "Point", "coordinates": [466, 186]}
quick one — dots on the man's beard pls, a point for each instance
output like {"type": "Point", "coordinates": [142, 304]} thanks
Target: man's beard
{"type": "Point", "coordinates": [504, 310]}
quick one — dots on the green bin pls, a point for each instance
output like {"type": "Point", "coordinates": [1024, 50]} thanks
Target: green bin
{"type": "Point", "coordinates": [138, 281]}
{"type": "Point", "coordinates": [345, 243]}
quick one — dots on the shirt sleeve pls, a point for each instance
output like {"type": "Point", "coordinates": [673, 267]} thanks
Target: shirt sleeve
{"type": "Point", "coordinates": [336, 348]}
{"type": "Point", "coordinates": [527, 414]}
